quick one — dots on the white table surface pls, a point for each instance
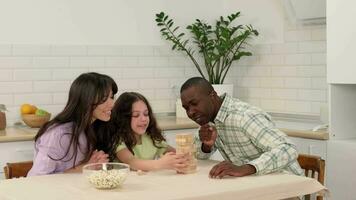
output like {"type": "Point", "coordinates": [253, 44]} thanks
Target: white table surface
{"type": "Point", "coordinates": [161, 185]}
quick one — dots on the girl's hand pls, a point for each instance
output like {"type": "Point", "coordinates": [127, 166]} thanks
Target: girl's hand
{"type": "Point", "coordinates": [170, 160]}
{"type": "Point", "coordinates": [99, 157]}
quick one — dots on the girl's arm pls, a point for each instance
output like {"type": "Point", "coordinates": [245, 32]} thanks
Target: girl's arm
{"type": "Point", "coordinates": [168, 161]}
{"type": "Point", "coordinates": [170, 149]}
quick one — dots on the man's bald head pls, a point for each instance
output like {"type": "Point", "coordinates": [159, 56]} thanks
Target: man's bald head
{"type": "Point", "coordinates": [198, 82]}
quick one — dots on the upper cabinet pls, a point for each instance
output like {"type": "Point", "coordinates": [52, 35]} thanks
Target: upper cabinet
{"type": "Point", "coordinates": [313, 13]}
{"type": "Point", "coordinates": [341, 68]}
{"type": "Point", "coordinates": [341, 42]}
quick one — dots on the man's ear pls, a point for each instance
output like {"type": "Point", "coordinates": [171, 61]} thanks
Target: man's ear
{"type": "Point", "coordinates": [213, 94]}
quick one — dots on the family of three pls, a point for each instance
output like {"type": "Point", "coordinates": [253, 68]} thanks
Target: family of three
{"type": "Point", "coordinates": [94, 128]}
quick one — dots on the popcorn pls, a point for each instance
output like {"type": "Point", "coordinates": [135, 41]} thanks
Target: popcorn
{"type": "Point", "coordinates": [107, 179]}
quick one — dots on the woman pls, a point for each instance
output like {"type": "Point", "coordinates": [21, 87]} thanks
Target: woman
{"type": "Point", "coordinates": [69, 141]}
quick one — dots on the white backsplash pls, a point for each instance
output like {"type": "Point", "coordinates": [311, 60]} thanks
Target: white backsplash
{"type": "Point", "coordinates": [287, 78]}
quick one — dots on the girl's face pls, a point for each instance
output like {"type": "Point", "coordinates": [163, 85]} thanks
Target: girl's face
{"type": "Point", "coordinates": [139, 117]}
{"type": "Point", "coordinates": [103, 111]}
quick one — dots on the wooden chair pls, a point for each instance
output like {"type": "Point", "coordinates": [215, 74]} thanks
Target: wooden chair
{"type": "Point", "coordinates": [314, 167]}
{"type": "Point", "coordinates": [18, 169]}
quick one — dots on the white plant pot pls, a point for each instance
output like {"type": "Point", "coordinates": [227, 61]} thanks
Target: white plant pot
{"type": "Point", "coordinates": [224, 88]}
{"type": "Point", "coordinates": [180, 111]}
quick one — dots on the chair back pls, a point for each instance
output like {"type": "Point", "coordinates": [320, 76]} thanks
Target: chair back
{"type": "Point", "coordinates": [314, 167]}
{"type": "Point", "coordinates": [18, 169]}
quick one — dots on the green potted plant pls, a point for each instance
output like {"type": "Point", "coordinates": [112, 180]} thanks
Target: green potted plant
{"type": "Point", "coordinates": [219, 46]}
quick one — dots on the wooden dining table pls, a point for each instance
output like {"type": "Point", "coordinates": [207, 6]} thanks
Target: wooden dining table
{"type": "Point", "coordinates": [166, 184]}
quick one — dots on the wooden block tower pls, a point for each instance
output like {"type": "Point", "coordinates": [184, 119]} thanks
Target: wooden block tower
{"type": "Point", "coordinates": [185, 145]}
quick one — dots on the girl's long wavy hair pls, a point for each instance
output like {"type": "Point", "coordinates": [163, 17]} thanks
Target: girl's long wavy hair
{"type": "Point", "coordinates": [86, 92]}
{"type": "Point", "coordinates": [120, 123]}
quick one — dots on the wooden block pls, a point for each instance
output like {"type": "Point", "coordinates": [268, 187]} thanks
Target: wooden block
{"type": "Point", "coordinates": [184, 138]}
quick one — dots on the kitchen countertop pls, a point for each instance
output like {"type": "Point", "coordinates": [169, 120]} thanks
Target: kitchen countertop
{"type": "Point", "coordinates": [17, 133]}
{"type": "Point", "coordinates": [24, 133]}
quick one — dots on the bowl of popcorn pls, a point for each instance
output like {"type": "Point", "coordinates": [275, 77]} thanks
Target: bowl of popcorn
{"type": "Point", "coordinates": [106, 175]}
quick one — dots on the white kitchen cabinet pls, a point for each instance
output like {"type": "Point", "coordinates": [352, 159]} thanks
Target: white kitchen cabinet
{"type": "Point", "coordinates": [341, 42]}
{"type": "Point", "coordinates": [342, 111]}
{"type": "Point", "coordinates": [341, 70]}
{"type": "Point", "coordinates": [15, 152]}
{"type": "Point", "coordinates": [340, 171]}
{"type": "Point", "coordinates": [310, 146]}
{"type": "Point", "coordinates": [341, 159]}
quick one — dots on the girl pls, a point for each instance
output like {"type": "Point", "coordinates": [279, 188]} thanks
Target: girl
{"type": "Point", "coordinates": [140, 140]}
{"type": "Point", "coordinates": [67, 142]}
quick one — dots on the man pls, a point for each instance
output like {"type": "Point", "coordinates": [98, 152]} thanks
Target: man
{"type": "Point", "coordinates": [244, 135]}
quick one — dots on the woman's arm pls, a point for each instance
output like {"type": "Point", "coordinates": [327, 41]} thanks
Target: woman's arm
{"type": "Point", "coordinates": [96, 157]}
{"type": "Point", "coordinates": [76, 169]}
{"type": "Point", "coordinates": [42, 164]}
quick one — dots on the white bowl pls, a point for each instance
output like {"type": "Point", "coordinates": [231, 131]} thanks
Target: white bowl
{"type": "Point", "coordinates": [106, 175]}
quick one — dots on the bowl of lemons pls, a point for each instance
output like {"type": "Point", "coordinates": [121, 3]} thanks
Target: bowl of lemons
{"type": "Point", "coordinates": [34, 117]}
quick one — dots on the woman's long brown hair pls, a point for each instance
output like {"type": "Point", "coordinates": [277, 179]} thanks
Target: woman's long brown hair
{"type": "Point", "coordinates": [86, 92]}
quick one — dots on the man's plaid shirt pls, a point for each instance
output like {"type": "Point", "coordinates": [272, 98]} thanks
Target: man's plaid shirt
{"type": "Point", "coordinates": [246, 135]}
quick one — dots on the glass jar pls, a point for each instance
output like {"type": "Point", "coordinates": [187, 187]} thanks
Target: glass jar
{"type": "Point", "coordinates": [2, 117]}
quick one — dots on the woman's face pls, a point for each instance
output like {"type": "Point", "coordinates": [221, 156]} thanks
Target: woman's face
{"type": "Point", "coordinates": [103, 111]}
{"type": "Point", "coordinates": [139, 117]}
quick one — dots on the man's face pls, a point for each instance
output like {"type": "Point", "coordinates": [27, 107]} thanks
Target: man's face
{"type": "Point", "coordinates": [198, 104]}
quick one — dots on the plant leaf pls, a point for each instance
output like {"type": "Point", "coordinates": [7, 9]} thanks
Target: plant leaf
{"type": "Point", "coordinates": [219, 45]}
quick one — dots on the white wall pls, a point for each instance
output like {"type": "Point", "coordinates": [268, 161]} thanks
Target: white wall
{"type": "Point", "coordinates": [287, 77]}
{"type": "Point", "coordinates": [41, 54]}
{"type": "Point", "coordinates": [120, 22]}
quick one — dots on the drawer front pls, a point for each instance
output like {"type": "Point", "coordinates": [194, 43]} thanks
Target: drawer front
{"type": "Point", "coordinates": [15, 152]}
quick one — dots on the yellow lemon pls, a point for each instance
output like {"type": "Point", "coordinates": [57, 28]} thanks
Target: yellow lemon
{"type": "Point", "coordinates": [27, 109]}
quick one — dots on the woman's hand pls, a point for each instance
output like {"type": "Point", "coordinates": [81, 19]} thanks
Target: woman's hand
{"type": "Point", "coordinates": [99, 157]}
{"type": "Point", "coordinates": [171, 160]}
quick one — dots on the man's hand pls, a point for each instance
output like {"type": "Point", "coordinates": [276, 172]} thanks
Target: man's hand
{"type": "Point", "coordinates": [208, 135]}
{"type": "Point", "coordinates": [226, 168]}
